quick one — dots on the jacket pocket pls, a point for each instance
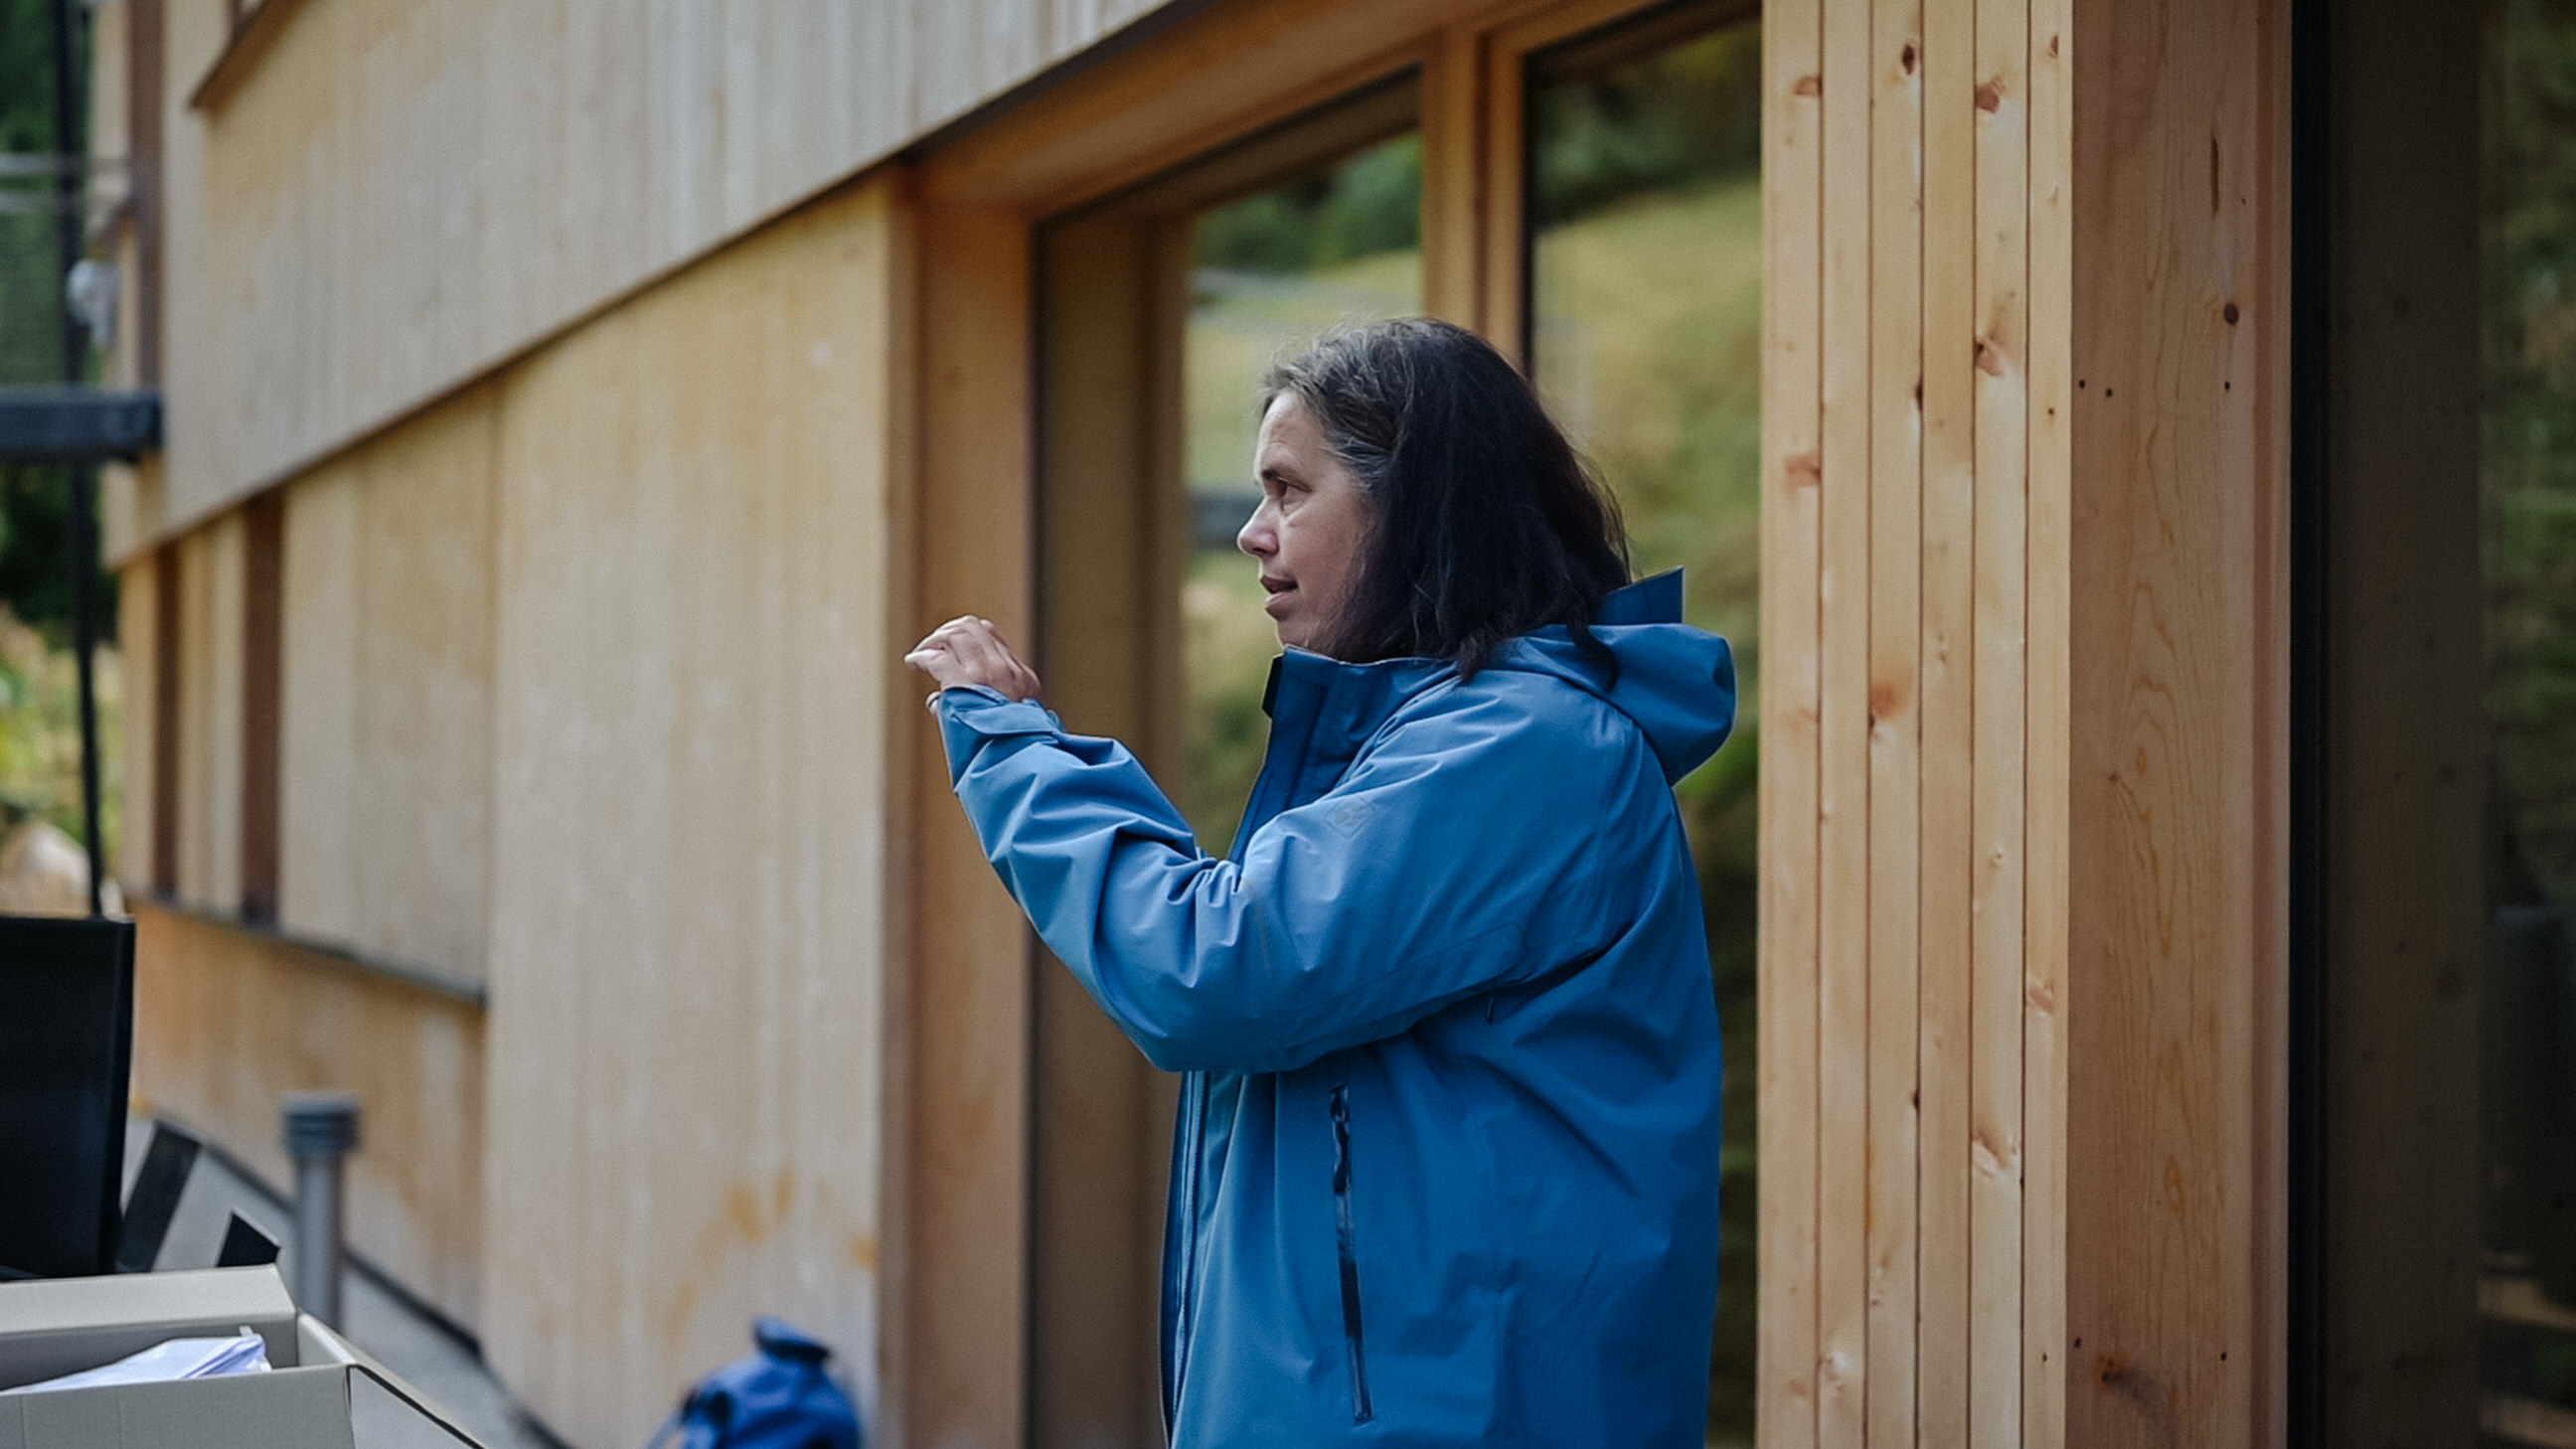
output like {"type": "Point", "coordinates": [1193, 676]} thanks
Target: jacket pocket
{"type": "Point", "coordinates": [1344, 1242]}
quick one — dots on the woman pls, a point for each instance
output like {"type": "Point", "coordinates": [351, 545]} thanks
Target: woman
{"type": "Point", "coordinates": [1446, 1164]}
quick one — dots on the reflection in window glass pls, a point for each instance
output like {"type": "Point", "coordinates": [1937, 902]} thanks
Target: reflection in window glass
{"type": "Point", "coordinates": [1270, 272]}
{"type": "Point", "coordinates": [1646, 306]}
{"type": "Point", "coordinates": [2527, 517]}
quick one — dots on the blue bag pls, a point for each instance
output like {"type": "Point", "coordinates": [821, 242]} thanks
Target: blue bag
{"type": "Point", "coordinates": [778, 1398]}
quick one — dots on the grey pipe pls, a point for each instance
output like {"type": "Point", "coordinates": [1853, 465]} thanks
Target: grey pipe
{"type": "Point", "coordinates": [321, 1130]}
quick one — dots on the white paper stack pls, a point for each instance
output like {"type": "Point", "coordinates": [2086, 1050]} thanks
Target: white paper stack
{"type": "Point", "coordinates": [178, 1358]}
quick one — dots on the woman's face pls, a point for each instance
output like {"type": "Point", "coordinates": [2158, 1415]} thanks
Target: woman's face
{"type": "Point", "coordinates": [1309, 528]}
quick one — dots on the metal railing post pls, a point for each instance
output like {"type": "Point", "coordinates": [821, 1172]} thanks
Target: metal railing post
{"type": "Point", "coordinates": [321, 1130]}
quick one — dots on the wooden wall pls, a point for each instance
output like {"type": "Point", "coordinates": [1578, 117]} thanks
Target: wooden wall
{"type": "Point", "coordinates": [2021, 914]}
{"type": "Point", "coordinates": [225, 1022]}
{"type": "Point", "coordinates": [689, 823]}
{"type": "Point", "coordinates": [2177, 718]}
{"type": "Point", "coordinates": [1913, 523]}
{"type": "Point", "coordinates": [394, 199]}
{"type": "Point", "coordinates": [138, 644]}
{"type": "Point", "coordinates": [386, 797]}
{"type": "Point", "coordinates": [209, 577]}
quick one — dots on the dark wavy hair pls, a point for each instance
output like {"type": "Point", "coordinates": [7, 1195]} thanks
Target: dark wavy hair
{"type": "Point", "coordinates": [1485, 522]}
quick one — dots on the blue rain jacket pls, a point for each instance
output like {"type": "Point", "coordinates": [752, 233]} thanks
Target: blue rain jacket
{"type": "Point", "coordinates": [1445, 1171]}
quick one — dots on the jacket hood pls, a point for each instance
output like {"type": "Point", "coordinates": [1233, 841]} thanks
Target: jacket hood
{"type": "Point", "coordinates": [1676, 682]}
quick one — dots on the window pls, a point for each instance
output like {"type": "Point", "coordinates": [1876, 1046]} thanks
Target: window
{"type": "Point", "coordinates": [1617, 252]}
{"type": "Point", "coordinates": [1270, 271]}
{"type": "Point", "coordinates": [2434, 1008]}
{"type": "Point", "coordinates": [1644, 233]}
{"type": "Point", "coordinates": [1159, 309]}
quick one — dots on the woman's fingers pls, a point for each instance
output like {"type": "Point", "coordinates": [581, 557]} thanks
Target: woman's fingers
{"type": "Point", "coordinates": [968, 650]}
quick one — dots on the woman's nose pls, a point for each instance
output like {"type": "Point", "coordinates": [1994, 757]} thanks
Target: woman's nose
{"type": "Point", "coordinates": [1256, 537]}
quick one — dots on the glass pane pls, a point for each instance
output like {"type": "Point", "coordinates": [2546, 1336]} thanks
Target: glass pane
{"type": "Point", "coordinates": [1270, 272]}
{"type": "Point", "coordinates": [2527, 518]}
{"type": "Point", "coordinates": [1645, 338]}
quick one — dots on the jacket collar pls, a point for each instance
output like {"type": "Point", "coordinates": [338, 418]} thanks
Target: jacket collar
{"type": "Point", "coordinates": [1323, 710]}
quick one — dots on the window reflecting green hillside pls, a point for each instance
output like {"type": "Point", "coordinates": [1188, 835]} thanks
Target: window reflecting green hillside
{"type": "Point", "coordinates": [1645, 340]}
{"type": "Point", "coordinates": [1272, 272]}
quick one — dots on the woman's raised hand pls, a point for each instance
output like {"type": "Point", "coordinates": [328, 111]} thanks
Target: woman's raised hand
{"type": "Point", "coordinates": [969, 651]}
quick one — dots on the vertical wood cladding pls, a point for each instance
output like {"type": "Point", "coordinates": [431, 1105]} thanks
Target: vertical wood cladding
{"type": "Point", "coordinates": [1916, 268]}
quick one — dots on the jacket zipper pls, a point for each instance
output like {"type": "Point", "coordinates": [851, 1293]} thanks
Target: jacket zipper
{"type": "Point", "coordinates": [1361, 1413]}
{"type": "Point", "coordinates": [1194, 1119]}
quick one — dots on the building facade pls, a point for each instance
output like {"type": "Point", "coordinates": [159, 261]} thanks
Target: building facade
{"type": "Point", "coordinates": [574, 410]}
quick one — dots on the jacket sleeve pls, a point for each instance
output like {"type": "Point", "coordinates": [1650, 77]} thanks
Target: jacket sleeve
{"type": "Point", "coordinates": [1416, 882]}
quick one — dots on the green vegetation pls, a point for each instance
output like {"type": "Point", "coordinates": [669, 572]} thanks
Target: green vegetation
{"type": "Point", "coordinates": [1648, 348]}
{"type": "Point", "coordinates": [2529, 444]}
{"type": "Point", "coordinates": [1274, 270]}
{"type": "Point", "coordinates": [1646, 284]}
{"type": "Point", "coordinates": [39, 723]}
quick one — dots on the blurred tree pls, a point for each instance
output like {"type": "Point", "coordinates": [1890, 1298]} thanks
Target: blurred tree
{"type": "Point", "coordinates": [35, 559]}
{"type": "Point", "coordinates": [1369, 204]}
{"type": "Point", "coordinates": [2529, 440]}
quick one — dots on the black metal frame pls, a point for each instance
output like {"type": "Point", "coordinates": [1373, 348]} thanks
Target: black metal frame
{"type": "Point", "coordinates": [70, 142]}
{"type": "Point", "coordinates": [78, 425]}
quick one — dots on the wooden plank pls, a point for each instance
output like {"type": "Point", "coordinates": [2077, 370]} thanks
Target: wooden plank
{"type": "Point", "coordinates": [2001, 271]}
{"type": "Point", "coordinates": [366, 141]}
{"type": "Point", "coordinates": [1094, 1261]}
{"type": "Point", "coordinates": [1792, 470]}
{"type": "Point", "coordinates": [390, 631]}
{"type": "Point", "coordinates": [321, 796]}
{"type": "Point", "coordinates": [2178, 909]}
{"type": "Point", "coordinates": [1502, 262]}
{"type": "Point", "coordinates": [688, 884]}
{"type": "Point", "coordinates": [2047, 742]}
{"type": "Point", "coordinates": [1454, 113]}
{"type": "Point", "coordinates": [964, 1364]}
{"type": "Point", "coordinates": [146, 101]}
{"type": "Point", "coordinates": [423, 820]}
{"type": "Point", "coordinates": [210, 690]}
{"type": "Point", "coordinates": [1791, 708]}
{"type": "Point", "coordinates": [1951, 433]}
{"type": "Point", "coordinates": [226, 1021]}
{"type": "Point", "coordinates": [1842, 791]}
{"type": "Point", "coordinates": [1157, 106]}
{"type": "Point", "coordinates": [138, 647]}
{"type": "Point", "coordinates": [1894, 625]}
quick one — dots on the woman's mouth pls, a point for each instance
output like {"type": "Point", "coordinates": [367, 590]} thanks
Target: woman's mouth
{"type": "Point", "coordinates": [1279, 590]}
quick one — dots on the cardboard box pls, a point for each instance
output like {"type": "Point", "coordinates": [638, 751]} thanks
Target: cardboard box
{"type": "Point", "coordinates": [320, 1392]}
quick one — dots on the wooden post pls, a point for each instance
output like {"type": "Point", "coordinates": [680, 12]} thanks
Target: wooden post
{"type": "Point", "coordinates": [2177, 911]}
